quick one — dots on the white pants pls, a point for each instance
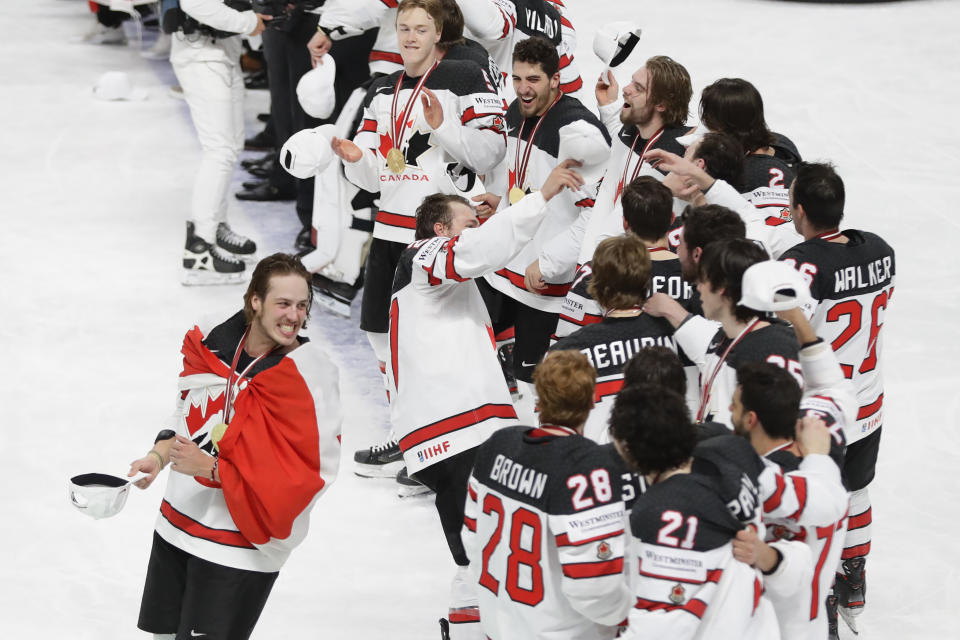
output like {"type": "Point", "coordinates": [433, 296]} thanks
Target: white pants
{"type": "Point", "coordinates": [209, 72]}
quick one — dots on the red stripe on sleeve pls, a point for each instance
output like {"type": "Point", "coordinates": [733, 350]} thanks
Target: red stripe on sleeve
{"type": "Point", "coordinates": [451, 269]}
{"type": "Point", "coordinates": [607, 388]}
{"type": "Point", "coordinates": [695, 607]}
{"type": "Point", "coordinates": [552, 290]}
{"type": "Point", "coordinates": [800, 486]}
{"type": "Point", "coordinates": [854, 552]}
{"type": "Point", "coordinates": [774, 501]}
{"type": "Point", "coordinates": [570, 87]}
{"type": "Point", "coordinates": [367, 125]}
{"type": "Point", "coordinates": [454, 423]}
{"type": "Point", "coordinates": [385, 56]}
{"type": "Point", "coordinates": [870, 409]}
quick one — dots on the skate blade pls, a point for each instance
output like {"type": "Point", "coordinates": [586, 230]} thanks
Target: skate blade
{"type": "Point", "coordinates": [331, 305]}
{"type": "Point", "coordinates": [194, 278]}
{"type": "Point", "coordinates": [410, 491]}
{"type": "Point", "coordinates": [850, 619]}
{"type": "Point", "coordinates": [388, 470]}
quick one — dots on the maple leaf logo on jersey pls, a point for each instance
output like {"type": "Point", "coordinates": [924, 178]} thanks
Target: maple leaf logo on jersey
{"type": "Point", "coordinates": [604, 551]}
{"type": "Point", "coordinates": [783, 218]}
{"type": "Point", "coordinates": [205, 405]}
{"type": "Point", "coordinates": [678, 594]}
{"type": "Point", "coordinates": [417, 145]}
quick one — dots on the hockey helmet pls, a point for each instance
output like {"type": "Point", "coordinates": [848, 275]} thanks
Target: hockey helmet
{"type": "Point", "coordinates": [773, 285]}
{"type": "Point", "coordinates": [315, 89]}
{"type": "Point", "coordinates": [99, 495]}
{"type": "Point", "coordinates": [306, 153]}
{"type": "Point", "coordinates": [615, 41]}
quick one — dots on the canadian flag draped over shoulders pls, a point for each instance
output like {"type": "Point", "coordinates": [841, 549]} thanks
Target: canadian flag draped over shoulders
{"type": "Point", "coordinates": [281, 449]}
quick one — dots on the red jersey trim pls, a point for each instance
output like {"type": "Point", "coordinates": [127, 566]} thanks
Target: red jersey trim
{"type": "Point", "coordinates": [570, 87]}
{"type": "Point", "coordinates": [396, 220]}
{"type": "Point", "coordinates": [870, 409]}
{"type": "Point", "coordinates": [800, 486]}
{"type": "Point", "coordinates": [470, 523]}
{"type": "Point", "coordinates": [588, 318]}
{"type": "Point", "coordinates": [455, 423]}
{"type": "Point", "coordinates": [451, 270]}
{"type": "Point", "coordinates": [385, 56]}
{"type": "Point", "coordinates": [773, 501]}
{"type": "Point", "coordinates": [607, 388]}
{"type": "Point", "coordinates": [368, 125]}
{"type": "Point", "coordinates": [552, 290]}
{"type": "Point", "coordinates": [564, 541]}
{"type": "Point", "coordinates": [695, 607]}
{"type": "Point", "coordinates": [593, 569]}
{"type": "Point", "coordinates": [196, 529]}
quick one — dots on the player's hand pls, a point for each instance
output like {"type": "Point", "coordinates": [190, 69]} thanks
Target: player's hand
{"type": "Point", "coordinates": [660, 305]}
{"type": "Point", "coordinates": [813, 436]}
{"type": "Point", "coordinates": [262, 20]}
{"type": "Point", "coordinates": [750, 549]}
{"type": "Point", "coordinates": [562, 176]}
{"type": "Point", "coordinates": [318, 46]}
{"type": "Point", "coordinates": [663, 160]}
{"type": "Point", "coordinates": [346, 149]}
{"type": "Point", "coordinates": [683, 188]}
{"type": "Point", "coordinates": [432, 109]}
{"type": "Point", "coordinates": [487, 204]}
{"type": "Point", "coordinates": [187, 458]}
{"type": "Point", "coordinates": [533, 279]}
{"type": "Point", "coordinates": [745, 545]}
{"type": "Point", "coordinates": [147, 464]}
{"type": "Point", "coordinates": [605, 92]}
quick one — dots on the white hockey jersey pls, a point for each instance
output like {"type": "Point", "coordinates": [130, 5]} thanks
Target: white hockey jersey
{"type": "Point", "coordinates": [472, 135]}
{"type": "Point", "coordinates": [851, 284]}
{"type": "Point", "coordinates": [567, 122]}
{"type": "Point", "coordinates": [348, 18]}
{"type": "Point", "coordinates": [544, 527]}
{"type": "Point", "coordinates": [449, 394]}
{"type": "Point", "coordinates": [281, 452]}
{"type": "Point", "coordinates": [500, 24]}
{"type": "Point", "coordinates": [775, 238]}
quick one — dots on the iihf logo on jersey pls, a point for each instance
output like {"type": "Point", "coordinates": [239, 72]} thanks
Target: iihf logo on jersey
{"type": "Point", "coordinates": [678, 594]}
{"type": "Point", "coordinates": [431, 452]}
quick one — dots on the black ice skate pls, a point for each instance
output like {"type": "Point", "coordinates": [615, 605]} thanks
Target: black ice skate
{"type": "Point", "coordinates": [407, 487]}
{"type": "Point", "coordinates": [382, 460]}
{"type": "Point", "coordinates": [851, 591]}
{"type": "Point", "coordinates": [240, 246]}
{"type": "Point", "coordinates": [332, 295]}
{"type": "Point", "coordinates": [204, 263]}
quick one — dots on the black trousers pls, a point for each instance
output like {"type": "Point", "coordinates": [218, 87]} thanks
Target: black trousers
{"type": "Point", "coordinates": [448, 478]}
{"type": "Point", "coordinates": [287, 60]}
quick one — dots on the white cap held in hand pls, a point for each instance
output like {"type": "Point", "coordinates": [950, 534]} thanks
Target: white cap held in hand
{"type": "Point", "coordinates": [773, 285]}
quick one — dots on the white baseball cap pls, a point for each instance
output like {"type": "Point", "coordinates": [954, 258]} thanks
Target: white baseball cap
{"type": "Point", "coordinates": [614, 42]}
{"type": "Point", "coordinates": [99, 495]}
{"type": "Point", "coordinates": [773, 285]}
{"type": "Point", "coordinates": [116, 85]}
{"type": "Point", "coordinates": [315, 89]}
{"type": "Point", "coordinates": [306, 153]}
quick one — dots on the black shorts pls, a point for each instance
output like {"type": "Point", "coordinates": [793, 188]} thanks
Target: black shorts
{"type": "Point", "coordinates": [188, 596]}
{"type": "Point", "coordinates": [382, 261]}
{"type": "Point", "coordinates": [860, 461]}
{"type": "Point", "coordinates": [448, 478]}
{"type": "Point", "coordinates": [532, 328]}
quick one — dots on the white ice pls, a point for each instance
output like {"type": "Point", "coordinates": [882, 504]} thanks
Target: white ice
{"type": "Point", "coordinates": [94, 196]}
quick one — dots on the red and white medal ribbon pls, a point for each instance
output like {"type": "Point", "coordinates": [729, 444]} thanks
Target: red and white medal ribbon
{"type": "Point", "coordinates": [639, 165]}
{"type": "Point", "coordinates": [228, 394]}
{"type": "Point", "coordinates": [708, 387]}
{"type": "Point", "coordinates": [397, 128]}
{"type": "Point", "coordinates": [520, 165]}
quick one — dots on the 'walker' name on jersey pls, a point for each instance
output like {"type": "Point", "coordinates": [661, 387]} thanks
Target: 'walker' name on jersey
{"type": "Point", "coordinates": [851, 278]}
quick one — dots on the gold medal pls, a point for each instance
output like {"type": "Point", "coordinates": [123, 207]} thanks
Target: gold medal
{"type": "Point", "coordinates": [516, 195]}
{"type": "Point", "coordinates": [216, 435]}
{"type": "Point", "coordinates": [396, 161]}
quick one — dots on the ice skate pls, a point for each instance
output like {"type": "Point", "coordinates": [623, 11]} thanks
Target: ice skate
{"type": "Point", "coordinates": [851, 591]}
{"type": "Point", "coordinates": [407, 487]}
{"type": "Point", "coordinates": [206, 264]}
{"type": "Point", "coordinates": [382, 460]}
{"type": "Point", "coordinates": [240, 246]}
{"type": "Point", "coordinates": [333, 296]}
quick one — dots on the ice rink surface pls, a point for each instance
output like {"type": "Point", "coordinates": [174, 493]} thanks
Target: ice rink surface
{"type": "Point", "coordinates": [94, 198]}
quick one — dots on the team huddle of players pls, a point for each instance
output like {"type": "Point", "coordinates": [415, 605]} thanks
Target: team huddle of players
{"type": "Point", "coordinates": [702, 339]}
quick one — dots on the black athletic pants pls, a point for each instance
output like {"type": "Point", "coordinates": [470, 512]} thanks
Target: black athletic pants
{"type": "Point", "coordinates": [448, 478]}
{"type": "Point", "coordinates": [532, 328]}
{"type": "Point", "coordinates": [192, 597]}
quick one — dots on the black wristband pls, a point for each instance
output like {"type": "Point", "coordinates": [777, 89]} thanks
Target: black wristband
{"type": "Point", "coordinates": [166, 434]}
{"type": "Point", "coordinates": [776, 565]}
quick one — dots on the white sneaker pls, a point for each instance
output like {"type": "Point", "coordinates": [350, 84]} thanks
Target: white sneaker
{"type": "Point", "coordinates": [160, 49]}
{"type": "Point", "coordinates": [99, 34]}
